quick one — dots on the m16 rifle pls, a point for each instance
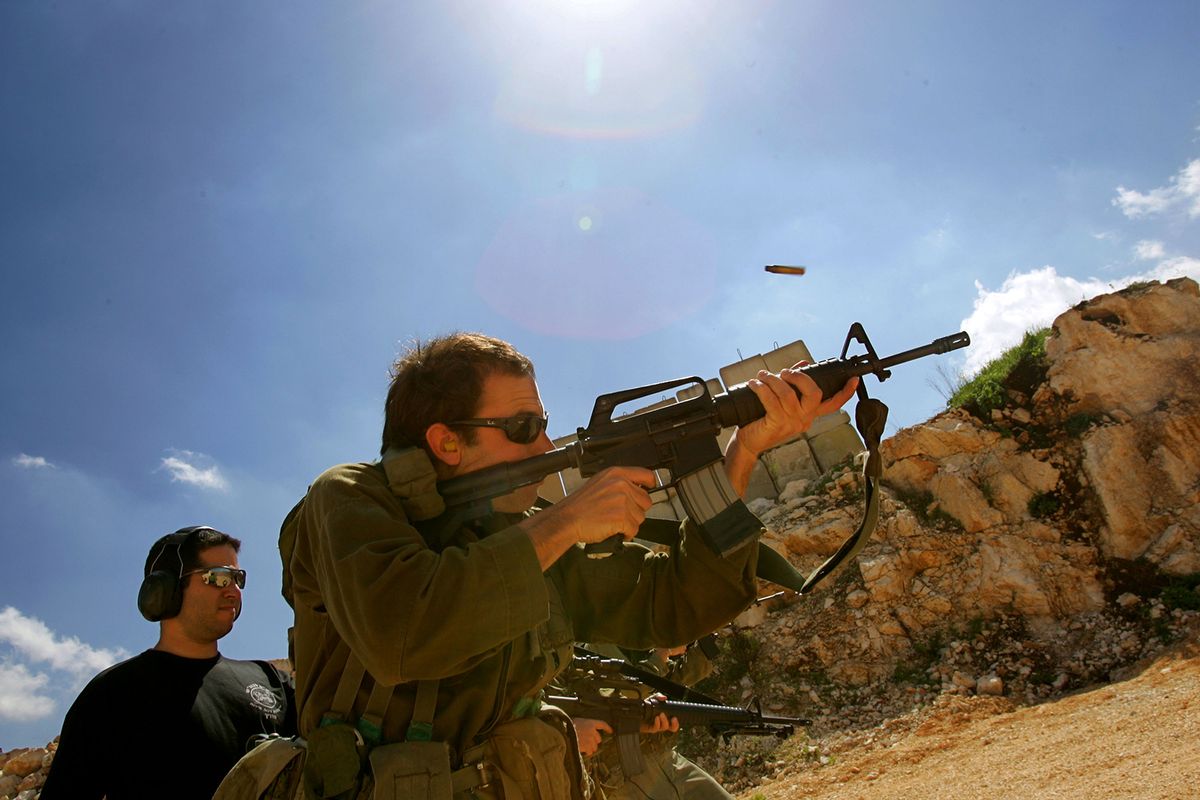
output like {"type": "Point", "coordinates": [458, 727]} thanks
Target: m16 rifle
{"type": "Point", "coordinates": [611, 690]}
{"type": "Point", "coordinates": [681, 438]}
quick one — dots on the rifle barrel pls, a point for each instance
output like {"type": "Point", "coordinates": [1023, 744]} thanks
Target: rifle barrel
{"type": "Point", "coordinates": [708, 714]}
{"type": "Point", "coordinates": [937, 347]}
{"type": "Point", "coordinates": [726, 720]}
{"type": "Point", "coordinates": [740, 405]}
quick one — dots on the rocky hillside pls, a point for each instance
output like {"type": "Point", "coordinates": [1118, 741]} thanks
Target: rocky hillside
{"type": "Point", "coordinates": [23, 771]}
{"type": "Point", "coordinates": [1027, 547]}
{"type": "Point", "coordinates": [1023, 551]}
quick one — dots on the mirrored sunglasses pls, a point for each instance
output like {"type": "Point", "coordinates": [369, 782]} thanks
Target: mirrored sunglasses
{"type": "Point", "coordinates": [220, 577]}
{"type": "Point", "coordinates": [521, 429]}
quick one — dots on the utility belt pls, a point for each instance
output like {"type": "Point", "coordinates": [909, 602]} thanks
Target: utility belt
{"type": "Point", "coordinates": [521, 758]}
{"type": "Point", "coordinates": [534, 757]}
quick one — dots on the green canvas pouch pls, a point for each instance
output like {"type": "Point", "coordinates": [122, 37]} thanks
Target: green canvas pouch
{"type": "Point", "coordinates": [531, 756]}
{"type": "Point", "coordinates": [334, 766]}
{"type": "Point", "coordinates": [416, 770]}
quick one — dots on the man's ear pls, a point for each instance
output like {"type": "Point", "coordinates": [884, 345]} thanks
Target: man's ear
{"type": "Point", "coordinates": [443, 444]}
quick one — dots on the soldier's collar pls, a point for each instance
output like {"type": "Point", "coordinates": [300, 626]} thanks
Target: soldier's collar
{"type": "Point", "coordinates": [412, 478]}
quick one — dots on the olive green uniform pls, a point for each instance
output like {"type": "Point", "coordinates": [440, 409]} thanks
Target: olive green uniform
{"type": "Point", "coordinates": [479, 616]}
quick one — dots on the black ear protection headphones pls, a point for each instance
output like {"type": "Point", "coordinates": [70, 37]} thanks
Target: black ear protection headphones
{"type": "Point", "coordinates": [161, 594]}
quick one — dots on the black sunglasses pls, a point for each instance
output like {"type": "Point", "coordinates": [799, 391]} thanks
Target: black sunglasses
{"type": "Point", "coordinates": [521, 429]}
{"type": "Point", "coordinates": [220, 577]}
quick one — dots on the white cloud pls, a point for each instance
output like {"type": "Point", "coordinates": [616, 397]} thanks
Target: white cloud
{"type": "Point", "coordinates": [1030, 300]}
{"type": "Point", "coordinates": [19, 698]}
{"type": "Point", "coordinates": [26, 694]}
{"type": "Point", "coordinates": [194, 468]}
{"type": "Point", "coordinates": [1172, 268]}
{"type": "Point", "coordinates": [1183, 190]}
{"type": "Point", "coordinates": [1148, 250]}
{"type": "Point", "coordinates": [31, 462]}
{"type": "Point", "coordinates": [31, 638]}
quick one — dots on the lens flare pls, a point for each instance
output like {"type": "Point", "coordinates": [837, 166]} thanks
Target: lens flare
{"type": "Point", "coordinates": [627, 266]}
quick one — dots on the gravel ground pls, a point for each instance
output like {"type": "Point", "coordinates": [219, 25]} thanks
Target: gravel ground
{"type": "Point", "coordinates": [1135, 738]}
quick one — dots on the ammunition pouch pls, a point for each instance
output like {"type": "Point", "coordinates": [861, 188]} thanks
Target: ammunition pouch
{"type": "Point", "coordinates": [333, 769]}
{"type": "Point", "coordinates": [530, 756]}
{"type": "Point", "coordinates": [400, 771]}
{"type": "Point", "coordinates": [412, 771]}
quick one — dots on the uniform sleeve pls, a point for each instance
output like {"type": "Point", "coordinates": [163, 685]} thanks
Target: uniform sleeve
{"type": "Point", "coordinates": [407, 611]}
{"type": "Point", "coordinates": [80, 762]}
{"type": "Point", "coordinates": [640, 600]}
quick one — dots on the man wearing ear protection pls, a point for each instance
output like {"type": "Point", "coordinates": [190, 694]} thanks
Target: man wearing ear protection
{"type": "Point", "coordinates": [423, 640]}
{"type": "Point", "coordinates": [171, 721]}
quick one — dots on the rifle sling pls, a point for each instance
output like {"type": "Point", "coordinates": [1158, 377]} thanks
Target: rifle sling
{"type": "Point", "coordinates": [869, 417]}
{"type": "Point", "coordinates": [771, 567]}
{"type": "Point", "coordinates": [370, 722]}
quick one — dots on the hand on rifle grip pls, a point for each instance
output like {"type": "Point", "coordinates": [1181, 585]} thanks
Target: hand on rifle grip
{"type": "Point", "coordinates": [604, 549]}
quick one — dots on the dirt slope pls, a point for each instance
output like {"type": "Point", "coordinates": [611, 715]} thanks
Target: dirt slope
{"type": "Point", "coordinates": [1136, 738]}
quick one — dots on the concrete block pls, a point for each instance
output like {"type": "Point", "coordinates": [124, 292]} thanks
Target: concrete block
{"type": "Point", "coordinates": [827, 423]}
{"type": "Point", "coordinates": [788, 356]}
{"type": "Point", "coordinates": [774, 361]}
{"type": "Point", "coordinates": [552, 488]}
{"type": "Point", "coordinates": [761, 484]}
{"type": "Point", "coordinates": [835, 446]}
{"type": "Point", "coordinates": [789, 462]}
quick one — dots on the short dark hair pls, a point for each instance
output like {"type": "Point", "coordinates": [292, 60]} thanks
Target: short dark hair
{"type": "Point", "coordinates": [441, 380]}
{"type": "Point", "coordinates": [180, 551]}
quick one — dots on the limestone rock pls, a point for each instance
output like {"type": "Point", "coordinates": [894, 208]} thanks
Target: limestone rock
{"type": "Point", "coordinates": [990, 685]}
{"type": "Point", "coordinates": [1129, 350]}
{"type": "Point", "coordinates": [23, 761]}
{"type": "Point", "coordinates": [1146, 478]}
{"type": "Point", "coordinates": [1037, 579]}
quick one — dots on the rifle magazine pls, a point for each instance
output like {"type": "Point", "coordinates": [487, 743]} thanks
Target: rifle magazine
{"type": "Point", "coordinates": [712, 504]}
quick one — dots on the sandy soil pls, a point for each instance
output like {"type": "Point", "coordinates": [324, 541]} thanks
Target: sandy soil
{"type": "Point", "coordinates": [1135, 738]}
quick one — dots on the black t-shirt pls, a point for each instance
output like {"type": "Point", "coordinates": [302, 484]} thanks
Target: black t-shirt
{"type": "Point", "coordinates": [160, 725]}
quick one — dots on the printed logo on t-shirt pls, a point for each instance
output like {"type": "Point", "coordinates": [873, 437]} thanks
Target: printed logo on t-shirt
{"type": "Point", "coordinates": [264, 699]}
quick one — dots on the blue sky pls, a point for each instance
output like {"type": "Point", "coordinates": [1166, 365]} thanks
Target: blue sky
{"type": "Point", "coordinates": [220, 221]}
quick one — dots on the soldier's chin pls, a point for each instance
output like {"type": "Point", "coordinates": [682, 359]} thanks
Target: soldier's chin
{"type": "Point", "coordinates": [516, 502]}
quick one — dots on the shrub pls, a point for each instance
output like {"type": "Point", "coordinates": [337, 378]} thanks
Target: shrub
{"type": "Point", "coordinates": [1077, 424]}
{"type": "Point", "coordinates": [1183, 593]}
{"type": "Point", "coordinates": [1043, 505]}
{"type": "Point", "coordinates": [987, 390]}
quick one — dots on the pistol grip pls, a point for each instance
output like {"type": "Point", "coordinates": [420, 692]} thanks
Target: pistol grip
{"type": "Point", "coordinates": [604, 549]}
